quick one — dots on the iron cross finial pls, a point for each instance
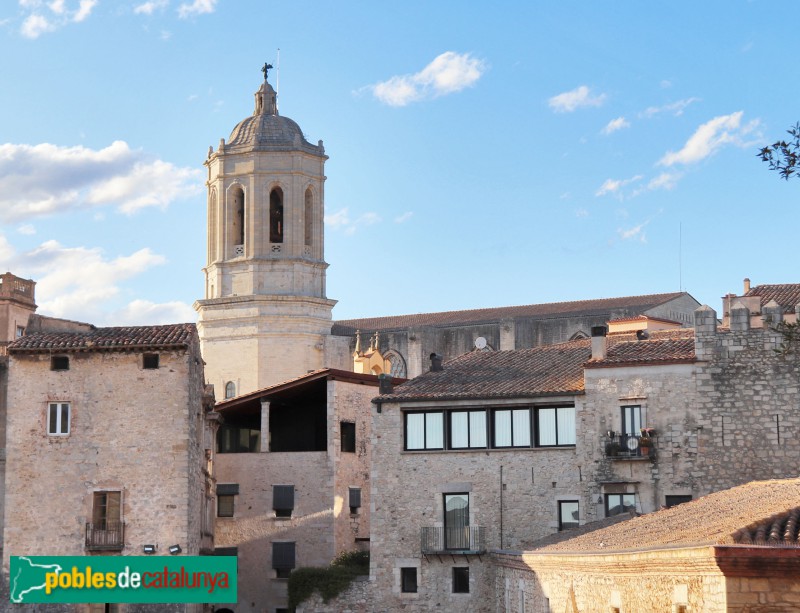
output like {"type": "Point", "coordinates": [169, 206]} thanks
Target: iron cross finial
{"type": "Point", "coordinates": [266, 69]}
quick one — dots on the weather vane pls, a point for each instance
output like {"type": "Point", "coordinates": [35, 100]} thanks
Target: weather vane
{"type": "Point", "coordinates": [265, 69]}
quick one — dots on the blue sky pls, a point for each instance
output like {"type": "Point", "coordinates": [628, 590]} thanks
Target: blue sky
{"type": "Point", "coordinates": [480, 154]}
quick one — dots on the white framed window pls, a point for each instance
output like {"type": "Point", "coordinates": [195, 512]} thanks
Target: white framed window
{"type": "Point", "coordinates": [58, 418]}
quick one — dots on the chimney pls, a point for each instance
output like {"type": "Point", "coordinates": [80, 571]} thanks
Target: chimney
{"type": "Point", "coordinates": [385, 384]}
{"type": "Point", "coordinates": [436, 362]}
{"type": "Point", "coordinates": [599, 342]}
{"type": "Point", "coordinates": [746, 286]}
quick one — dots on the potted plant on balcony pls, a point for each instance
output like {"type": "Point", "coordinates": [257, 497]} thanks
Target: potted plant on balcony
{"type": "Point", "coordinates": [612, 449]}
{"type": "Point", "coordinates": [645, 441]}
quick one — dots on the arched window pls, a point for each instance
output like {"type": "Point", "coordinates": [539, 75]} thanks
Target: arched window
{"type": "Point", "coordinates": [212, 226]}
{"type": "Point", "coordinates": [237, 221]}
{"type": "Point", "coordinates": [230, 389]}
{"type": "Point", "coordinates": [398, 363]}
{"type": "Point", "coordinates": [276, 215]}
{"type": "Point", "coordinates": [309, 220]}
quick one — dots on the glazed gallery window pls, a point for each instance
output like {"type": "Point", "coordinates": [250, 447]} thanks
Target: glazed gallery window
{"type": "Point", "coordinates": [58, 419]}
{"type": "Point", "coordinates": [497, 428]}
{"type": "Point", "coordinates": [619, 503]}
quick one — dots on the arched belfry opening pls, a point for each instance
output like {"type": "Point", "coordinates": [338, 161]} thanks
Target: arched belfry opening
{"type": "Point", "coordinates": [212, 226]}
{"type": "Point", "coordinates": [276, 215]}
{"type": "Point", "coordinates": [237, 220]}
{"type": "Point", "coordinates": [308, 217]}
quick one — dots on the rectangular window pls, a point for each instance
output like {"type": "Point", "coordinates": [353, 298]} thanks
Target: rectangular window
{"type": "Point", "coordinates": [619, 503]}
{"type": "Point", "coordinates": [283, 500]}
{"type": "Point", "coordinates": [425, 430]}
{"type": "Point", "coordinates": [512, 428]}
{"type": "Point", "coordinates": [567, 514]}
{"type": "Point", "coordinates": [676, 499]}
{"type": "Point", "coordinates": [150, 361]}
{"type": "Point", "coordinates": [555, 426]}
{"type": "Point", "coordinates": [59, 362]}
{"type": "Point", "coordinates": [283, 559]}
{"type": "Point", "coordinates": [355, 499]}
{"type": "Point", "coordinates": [467, 429]}
{"type": "Point", "coordinates": [348, 430]}
{"type": "Point", "coordinates": [226, 551]}
{"type": "Point", "coordinates": [20, 331]}
{"type": "Point", "coordinates": [58, 419]}
{"type": "Point", "coordinates": [456, 521]}
{"type": "Point", "coordinates": [234, 439]}
{"type": "Point", "coordinates": [631, 420]}
{"type": "Point", "coordinates": [225, 505]}
{"type": "Point", "coordinates": [461, 580]}
{"type": "Point", "coordinates": [105, 531]}
{"type": "Point", "coordinates": [408, 580]}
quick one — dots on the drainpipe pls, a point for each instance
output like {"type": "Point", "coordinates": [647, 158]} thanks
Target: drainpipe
{"type": "Point", "coordinates": [501, 506]}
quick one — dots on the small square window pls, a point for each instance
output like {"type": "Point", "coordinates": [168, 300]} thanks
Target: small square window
{"type": "Point", "coordinates": [348, 430]}
{"type": "Point", "coordinates": [58, 417]}
{"type": "Point", "coordinates": [408, 580]}
{"type": "Point", "coordinates": [283, 559]}
{"type": "Point", "coordinates": [225, 505]}
{"type": "Point", "coordinates": [20, 331]}
{"type": "Point", "coordinates": [676, 499]}
{"type": "Point", "coordinates": [568, 517]}
{"type": "Point", "coordinates": [461, 580]}
{"type": "Point", "coordinates": [59, 362]}
{"type": "Point", "coordinates": [150, 361]}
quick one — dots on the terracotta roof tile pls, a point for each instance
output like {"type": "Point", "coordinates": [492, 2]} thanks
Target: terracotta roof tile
{"type": "Point", "coordinates": [127, 337]}
{"type": "Point", "coordinates": [551, 369]}
{"type": "Point", "coordinates": [723, 518]}
{"type": "Point", "coordinates": [474, 316]}
{"type": "Point", "coordinates": [662, 346]}
{"type": "Point", "coordinates": [785, 294]}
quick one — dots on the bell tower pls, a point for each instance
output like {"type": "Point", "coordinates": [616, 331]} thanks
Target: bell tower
{"type": "Point", "coordinates": [265, 317]}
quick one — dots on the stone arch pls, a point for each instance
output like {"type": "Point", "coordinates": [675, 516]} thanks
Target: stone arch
{"type": "Point", "coordinates": [235, 218]}
{"type": "Point", "coordinates": [308, 216]}
{"type": "Point", "coordinates": [580, 334]}
{"type": "Point", "coordinates": [230, 390]}
{"type": "Point", "coordinates": [397, 362]}
{"type": "Point", "coordinates": [276, 218]}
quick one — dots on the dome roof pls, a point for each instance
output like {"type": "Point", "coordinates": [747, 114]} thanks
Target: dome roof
{"type": "Point", "coordinates": [265, 130]}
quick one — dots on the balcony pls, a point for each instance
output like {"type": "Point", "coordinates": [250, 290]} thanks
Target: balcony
{"type": "Point", "coordinates": [629, 446]}
{"type": "Point", "coordinates": [106, 536]}
{"type": "Point", "coordinates": [462, 540]}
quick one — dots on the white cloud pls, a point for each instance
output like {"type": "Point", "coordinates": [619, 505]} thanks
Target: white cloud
{"type": "Point", "coordinates": [404, 217]}
{"type": "Point", "coordinates": [57, 6]}
{"type": "Point", "coordinates": [80, 283]}
{"type": "Point", "coordinates": [84, 10]}
{"type": "Point", "coordinates": [341, 220]}
{"type": "Point", "coordinates": [35, 25]}
{"type": "Point", "coordinates": [634, 233]}
{"type": "Point", "coordinates": [575, 99]}
{"type": "Point", "coordinates": [45, 179]}
{"type": "Point", "coordinates": [148, 8]}
{"type": "Point", "coordinates": [146, 313]}
{"type": "Point", "coordinates": [448, 73]}
{"type": "Point", "coordinates": [198, 7]}
{"type": "Point", "coordinates": [675, 108]}
{"type": "Point", "coordinates": [612, 186]}
{"type": "Point", "coordinates": [666, 180]}
{"type": "Point", "coordinates": [26, 229]}
{"type": "Point", "coordinates": [581, 213]}
{"type": "Point", "coordinates": [616, 124]}
{"type": "Point", "coordinates": [710, 137]}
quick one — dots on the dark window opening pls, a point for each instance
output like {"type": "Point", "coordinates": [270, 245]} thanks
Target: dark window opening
{"type": "Point", "coordinates": [225, 505]}
{"type": "Point", "coordinates": [348, 429]}
{"type": "Point", "coordinates": [355, 499]}
{"type": "Point", "coordinates": [226, 551]}
{"type": "Point", "coordinates": [408, 580]}
{"type": "Point", "coordinates": [283, 559]}
{"type": "Point", "coordinates": [456, 521]}
{"type": "Point", "coordinates": [230, 390]}
{"type": "Point", "coordinates": [59, 362]}
{"type": "Point", "coordinates": [238, 439]}
{"type": "Point", "coordinates": [150, 360]}
{"type": "Point", "coordinates": [283, 500]}
{"type": "Point", "coordinates": [298, 426]}
{"type": "Point", "coordinates": [619, 503]}
{"type": "Point", "coordinates": [676, 499]}
{"type": "Point", "coordinates": [461, 580]}
{"type": "Point", "coordinates": [568, 515]}
{"type": "Point", "coordinates": [276, 215]}
{"type": "Point", "coordinates": [238, 216]}
{"type": "Point", "coordinates": [308, 216]}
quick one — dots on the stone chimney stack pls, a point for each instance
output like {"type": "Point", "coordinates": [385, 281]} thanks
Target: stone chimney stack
{"type": "Point", "coordinates": [385, 384]}
{"type": "Point", "coordinates": [436, 362]}
{"type": "Point", "coordinates": [599, 343]}
{"type": "Point", "coordinates": [746, 286]}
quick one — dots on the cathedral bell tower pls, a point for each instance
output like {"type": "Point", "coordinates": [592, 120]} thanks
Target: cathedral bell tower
{"type": "Point", "coordinates": [265, 317]}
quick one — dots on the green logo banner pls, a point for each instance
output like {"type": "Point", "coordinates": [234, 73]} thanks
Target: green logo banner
{"type": "Point", "coordinates": [139, 579]}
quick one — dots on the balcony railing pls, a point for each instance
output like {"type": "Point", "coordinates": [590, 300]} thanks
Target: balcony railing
{"type": "Point", "coordinates": [106, 536]}
{"type": "Point", "coordinates": [626, 446]}
{"type": "Point", "coordinates": [467, 539]}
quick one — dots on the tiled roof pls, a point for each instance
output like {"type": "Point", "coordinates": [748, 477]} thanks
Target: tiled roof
{"type": "Point", "coordinates": [723, 518]}
{"type": "Point", "coordinates": [550, 369]}
{"type": "Point", "coordinates": [128, 337]}
{"type": "Point", "coordinates": [785, 294]}
{"type": "Point", "coordinates": [662, 346]}
{"type": "Point", "coordinates": [602, 306]}
{"type": "Point", "coordinates": [643, 319]}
